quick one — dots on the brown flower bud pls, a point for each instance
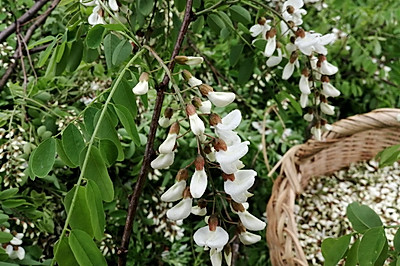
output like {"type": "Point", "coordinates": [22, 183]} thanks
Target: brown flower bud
{"type": "Point", "coordinates": [304, 72]}
{"type": "Point", "coordinates": [205, 89]}
{"type": "Point", "coordinates": [202, 203]}
{"type": "Point", "coordinates": [271, 33]}
{"type": "Point", "coordinates": [186, 75]}
{"type": "Point", "coordinates": [278, 45]}
{"type": "Point", "coordinates": [186, 193]}
{"type": "Point", "coordinates": [238, 207]}
{"type": "Point", "coordinates": [321, 58]}
{"type": "Point", "coordinates": [197, 102]}
{"type": "Point", "coordinates": [168, 112]}
{"type": "Point", "coordinates": [213, 222]}
{"type": "Point", "coordinates": [174, 128]}
{"type": "Point", "coordinates": [181, 59]}
{"type": "Point", "coordinates": [219, 144]}
{"type": "Point", "coordinates": [323, 98]}
{"type": "Point", "coordinates": [199, 163]}
{"type": "Point", "coordinates": [261, 21]}
{"type": "Point", "coordinates": [300, 33]}
{"type": "Point", "coordinates": [144, 77]}
{"type": "Point", "coordinates": [325, 79]}
{"type": "Point", "coordinates": [227, 177]}
{"type": "Point", "coordinates": [293, 57]}
{"type": "Point", "coordinates": [182, 174]}
{"type": "Point", "coordinates": [190, 109]}
{"type": "Point", "coordinates": [215, 119]}
{"type": "Point", "coordinates": [290, 9]}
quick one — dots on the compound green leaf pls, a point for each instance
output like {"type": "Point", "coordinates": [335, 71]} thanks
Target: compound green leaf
{"type": "Point", "coordinates": [371, 246]}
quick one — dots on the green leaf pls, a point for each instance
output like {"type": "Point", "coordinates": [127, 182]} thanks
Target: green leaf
{"type": "Point", "coordinates": [75, 55]}
{"type": "Point", "coordinates": [145, 6]}
{"type": "Point", "coordinates": [108, 151]}
{"type": "Point", "coordinates": [246, 70]}
{"type": "Point", "coordinates": [80, 217]}
{"type": "Point", "coordinates": [240, 14]}
{"type": "Point", "coordinates": [215, 23]}
{"type": "Point", "coordinates": [128, 123]}
{"type": "Point", "coordinates": [63, 62]}
{"type": "Point", "coordinates": [62, 155]}
{"type": "Point", "coordinates": [371, 246]}
{"type": "Point", "coordinates": [46, 53]}
{"type": "Point", "coordinates": [95, 36]}
{"type": "Point", "coordinates": [389, 155]}
{"type": "Point", "coordinates": [383, 256]}
{"type": "Point", "coordinates": [362, 217]}
{"type": "Point", "coordinates": [96, 170]}
{"type": "Point", "coordinates": [3, 218]}
{"type": "Point", "coordinates": [198, 24]}
{"type": "Point", "coordinates": [43, 158]}
{"type": "Point", "coordinates": [65, 257]}
{"type": "Point", "coordinates": [61, 49]}
{"type": "Point", "coordinates": [110, 43]}
{"type": "Point", "coordinates": [121, 52]}
{"type": "Point", "coordinates": [88, 118]}
{"type": "Point", "coordinates": [396, 241]}
{"type": "Point", "coordinates": [180, 5]}
{"type": "Point", "coordinates": [352, 255]}
{"type": "Point", "coordinates": [85, 250]}
{"type": "Point", "coordinates": [123, 96]}
{"type": "Point", "coordinates": [8, 193]}
{"type": "Point", "coordinates": [73, 143]}
{"type": "Point", "coordinates": [236, 52]}
{"type": "Point", "coordinates": [5, 237]}
{"type": "Point", "coordinates": [13, 203]}
{"type": "Point", "coordinates": [95, 204]}
{"type": "Point", "coordinates": [333, 250]}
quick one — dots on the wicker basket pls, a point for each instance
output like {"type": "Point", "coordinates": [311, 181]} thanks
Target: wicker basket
{"type": "Point", "coordinates": [353, 139]}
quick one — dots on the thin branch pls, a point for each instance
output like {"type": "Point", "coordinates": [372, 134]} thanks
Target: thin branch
{"type": "Point", "coordinates": [24, 18]}
{"type": "Point", "coordinates": [40, 20]}
{"type": "Point", "coordinates": [161, 88]}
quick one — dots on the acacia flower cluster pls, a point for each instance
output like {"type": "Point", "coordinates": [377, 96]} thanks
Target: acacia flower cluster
{"type": "Point", "coordinates": [300, 44]}
{"type": "Point", "coordinates": [98, 15]}
{"type": "Point", "coordinates": [218, 160]}
{"type": "Point", "coordinates": [13, 248]}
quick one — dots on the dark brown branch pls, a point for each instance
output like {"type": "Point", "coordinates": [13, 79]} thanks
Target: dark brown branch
{"type": "Point", "coordinates": [39, 21]}
{"type": "Point", "coordinates": [161, 88]}
{"type": "Point", "coordinates": [23, 19]}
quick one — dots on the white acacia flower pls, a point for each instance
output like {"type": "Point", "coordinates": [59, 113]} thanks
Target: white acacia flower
{"type": "Point", "coordinates": [164, 122]}
{"type": "Point", "coordinates": [214, 238]}
{"type": "Point", "coordinates": [221, 99]}
{"type": "Point", "coordinates": [327, 108]}
{"type": "Point", "coordinates": [326, 127]}
{"type": "Point", "coordinates": [228, 255]}
{"type": "Point", "coordinates": [248, 238]}
{"type": "Point", "coordinates": [181, 210]}
{"type": "Point", "coordinates": [308, 117]}
{"type": "Point", "coordinates": [163, 160]}
{"type": "Point", "coordinates": [97, 16]}
{"type": "Point", "coordinates": [275, 60]}
{"type": "Point", "coordinates": [228, 156]}
{"type": "Point", "coordinates": [215, 257]}
{"type": "Point", "coordinates": [191, 80]}
{"type": "Point", "coordinates": [175, 192]}
{"type": "Point", "coordinates": [303, 100]}
{"type": "Point", "coordinates": [189, 60]}
{"type": "Point", "coordinates": [329, 90]}
{"type": "Point", "coordinates": [289, 67]}
{"type": "Point", "coordinates": [260, 28]}
{"type": "Point", "coordinates": [169, 143]}
{"type": "Point", "coordinates": [304, 84]}
{"type": "Point", "coordinates": [326, 39]}
{"type": "Point", "coordinates": [196, 124]}
{"type": "Point", "coordinates": [17, 239]}
{"type": "Point", "coordinates": [292, 11]}
{"type": "Point", "coordinates": [237, 184]}
{"type": "Point", "coordinates": [229, 122]}
{"type": "Point", "coordinates": [113, 5]}
{"type": "Point", "coordinates": [198, 184]}
{"type": "Point", "coordinates": [205, 107]}
{"type": "Point", "coordinates": [15, 252]}
{"type": "Point", "coordinates": [271, 42]}
{"type": "Point", "coordinates": [306, 41]}
{"type": "Point", "coordinates": [250, 221]}
{"type": "Point", "coordinates": [142, 87]}
{"type": "Point", "coordinates": [326, 68]}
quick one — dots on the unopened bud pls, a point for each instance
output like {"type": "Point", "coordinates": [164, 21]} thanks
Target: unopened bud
{"type": "Point", "coordinates": [261, 21]}
{"type": "Point", "coordinates": [293, 57]}
{"type": "Point", "coordinates": [325, 79]}
{"type": "Point", "coordinates": [227, 177]}
{"type": "Point", "coordinates": [190, 109]}
{"type": "Point", "coordinates": [168, 112]}
{"type": "Point", "coordinates": [199, 163]}
{"type": "Point", "coordinates": [213, 222]}
{"type": "Point", "coordinates": [290, 9]}
{"type": "Point", "coordinates": [278, 45]}
{"type": "Point", "coordinates": [186, 193]}
{"type": "Point", "coordinates": [215, 119]}
{"type": "Point", "coordinates": [144, 77]}
{"type": "Point", "coordinates": [304, 72]}
{"type": "Point", "coordinates": [271, 33]}
{"type": "Point", "coordinates": [219, 144]}
{"type": "Point", "coordinates": [197, 102]}
{"type": "Point", "coordinates": [202, 203]}
{"type": "Point", "coordinates": [182, 174]}
{"type": "Point", "coordinates": [205, 89]}
{"type": "Point", "coordinates": [300, 33]}
{"type": "Point", "coordinates": [181, 59]}
{"type": "Point", "coordinates": [238, 207]}
{"type": "Point", "coordinates": [186, 75]}
{"type": "Point", "coordinates": [322, 98]}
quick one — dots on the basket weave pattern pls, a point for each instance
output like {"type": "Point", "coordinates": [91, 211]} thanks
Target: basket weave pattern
{"type": "Point", "coordinates": [351, 140]}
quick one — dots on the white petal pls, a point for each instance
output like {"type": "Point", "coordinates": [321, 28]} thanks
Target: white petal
{"type": "Point", "coordinates": [327, 68]}
{"type": "Point", "coordinates": [232, 153]}
{"type": "Point", "coordinates": [329, 90]}
{"type": "Point", "coordinates": [290, 48]}
{"type": "Point", "coordinates": [9, 250]}
{"type": "Point", "coordinates": [217, 239]}
{"type": "Point", "coordinates": [20, 253]}
{"type": "Point", "coordinates": [317, 133]}
{"type": "Point", "coordinates": [284, 28]}
{"type": "Point", "coordinates": [181, 210]}
{"type": "Point", "coordinates": [304, 85]}
{"type": "Point", "coordinates": [163, 161]}
{"type": "Point", "coordinates": [201, 235]}
{"type": "Point", "coordinates": [164, 122]}
{"type": "Point", "coordinates": [198, 184]}
{"type": "Point", "coordinates": [308, 117]}
{"type": "Point", "coordinates": [196, 125]}
{"type": "Point", "coordinates": [169, 143]}
{"type": "Point", "coordinates": [196, 210]}
{"type": "Point", "coordinates": [205, 107]}
{"type": "Point", "coordinates": [141, 88]}
{"type": "Point", "coordinates": [327, 108]}
{"type": "Point", "coordinates": [194, 60]}
{"type": "Point", "coordinates": [250, 221]}
{"type": "Point", "coordinates": [221, 99]}
{"type": "Point", "coordinates": [303, 100]}
{"type": "Point", "coordinates": [230, 137]}
{"type": "Point", "coordinates": [113, 5]}
{"type": "Point", "coordinates": [193, 82]}
{"type": "Point", "coordinates": [244, 179]}
{"type": "Point", "coordinates": [231, 121]}
{"type": "Point", "coordinates": [15, 241]}
{"type": "Point", "coordinates": [255, 30]}
{"type": "Point", "coordinates": [175, 192]}
{"type": "Point", "coordinates": [327, 39]}
{"type": "Point", "coordinates": [248, 238]}
{"type": "Point", "coordinates": [288, 71]}
{"type": "Point", "coordinates": [275, 60]}
{"type": "Point", "coordinates": [228, 258]}
{"type": "Point", "coordinates": [294, 3]}
{"type": "Point", "coordinates": [93, 18]}
{"type": "Point", "coordinates": [215, 257]}
{"type": "Point", "coordinates": [270, 47]}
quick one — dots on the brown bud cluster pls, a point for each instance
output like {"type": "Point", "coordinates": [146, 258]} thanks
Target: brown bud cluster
{"type": "Point", "coordinates": [293, 57]}
{"type": "Point", "coordinates": [300, 33]}
{"type": "Point", "coordinates": [238, 207]}
{"type": "Point", "coordinates": [144, 77]}
{"type": "Point", "coordinates": [271, 33]}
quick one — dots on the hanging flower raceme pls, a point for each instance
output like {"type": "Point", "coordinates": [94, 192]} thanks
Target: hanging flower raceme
{"type": "Point", "coordinates": [188, 60]}
{"type": "Point", "coordinates": [183, 209]}
{"type": "Point", "coordinates": [246, 237]}
{"type": "Point", "coordinates": [198, 184]}
{"type": "Point", "coordinates": [236, 185]}
{"type": "Point", "coordinates": [248, 220]}
{"type": "Point", "coordinates": [220, 99]}
{"type": "Point", "coordinates": [191, 80]}
{"type": "Point", "coordinates": [175, 192]}
{"type": "Point", "coordinates": [260, 28]}
{"type": "Point", "coordinates": [196, 124]}
{"type": "Point", "coordinates": [142, 87]}
{"type": "Point", "coordinates": [228, 157]}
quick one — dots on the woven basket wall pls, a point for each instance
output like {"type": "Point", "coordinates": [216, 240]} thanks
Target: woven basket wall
{"type": "Point", "coordinates": [351, 140]}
